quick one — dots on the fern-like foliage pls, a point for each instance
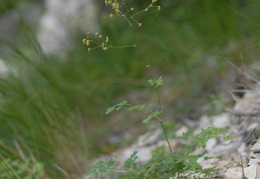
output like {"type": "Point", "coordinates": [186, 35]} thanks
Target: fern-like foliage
{"type": "Point", "coordinates": [181, 164]}
{"type": "Point", "coordinates": [130, 107]}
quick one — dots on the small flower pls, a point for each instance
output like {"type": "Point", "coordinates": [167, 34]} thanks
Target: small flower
{"type": "Point", "coordinates": [111, 15]}
{"type": "Point", "coordinates": [100, 36]}
{"type": "Point", "coordinates": [103, 46]}
{"type": "Point", "coordinates": [87, 43]}
{"type": "Point", "coordinates": [159, 8]}
{"type": "Point", "coordinates": [117, 12]}
{"type": "Point", "coordinates": [83, 41]}
{"type": "Point", "coordinates": [107, 2]}
{"type": "Point", "coordinates": [89, 50]}
{"type": "Point", "coordinates": [96, 34]}
{"type": "Point", "coordinates": [115, 5]}
{"type": "Point", "coordinates": [140, 24]}
{"type": "Point", "coordinates": [132, 9]}
{"type": "Point", "coordinates": [153, 1]}
{"type": "Point", "coordinates": [107, 39]}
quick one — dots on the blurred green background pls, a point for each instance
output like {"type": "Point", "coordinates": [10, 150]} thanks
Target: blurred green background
{"type": "Point", "coordinates": [52, 108]}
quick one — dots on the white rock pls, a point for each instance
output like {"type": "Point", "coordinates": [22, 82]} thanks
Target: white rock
{"type": "Point", "coordinates": [249, 103]}
{"type": "Point", "coordinates": [253, 171]}
{"type": "Point", "coordinates": [149, 137]}
{"type": "Point", "coordinates": [3, 67]}
{"type": "Point", "coordinates": [144, 152]}
{"type": "Point", "coordinates": [205, 122]}
{"type": "Point", "coordinates": [62, 19]}
{"type": "Point", "coordinates": [211, 144]}
{"type": "Point", "coordinates": [242, 148]}
{"type": "Point", "coordinates": [221, 121]}
{"type": "Point", "coordinates": [233, 173]}
{"type": "Point", "coordinates": [254, 161]}
{"type": "Point", "coordinates": [256, 147]}
{"type": "Point", "coordinates": [180, 131]}
{"type": "Point", "coordinates": [209, 163]}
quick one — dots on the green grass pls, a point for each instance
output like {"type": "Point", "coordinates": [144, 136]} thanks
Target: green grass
{"type": "Point", "coordinates": [53, 108]}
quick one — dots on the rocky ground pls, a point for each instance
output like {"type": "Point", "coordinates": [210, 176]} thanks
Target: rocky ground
{"type": "Point", "coordinates": [240, 156]}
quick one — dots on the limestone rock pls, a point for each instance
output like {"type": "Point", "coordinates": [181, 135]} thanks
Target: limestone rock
{"type": "Point", "coordinates": [253, 171]}
{"type": "Point", "coordinates": [233, 173]}
{"type": "Point", "coordinates": [221, 121]}
{"type": "Point", "coordinates": [63, 19]}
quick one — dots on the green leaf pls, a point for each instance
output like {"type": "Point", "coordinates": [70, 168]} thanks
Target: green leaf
{"type": "Point", "coordinates": [160, 150]}
{"type": "Point", "coordinates": [137, 107]}
{"type": "Point", "coordinates": [187, 135]}
{"type": "Point", "coordinates": [101, 167]}
{"type": "Point", "coordinates": [156, 83]}
{"type": "Point", "coordinates": [227, 138]}
{"type": "Point", "coordinates": [201, 139]}
{"type": "Point", "coordinates": [191, 163]}
{"type": "Point", "coordinates": [116, 107]}
{"type": "Point", "coordinates": [130, 162]}
{"type": "Point", "coordinates": [154, 114]}
{"type": "Point", "coordinates": [151, 105]}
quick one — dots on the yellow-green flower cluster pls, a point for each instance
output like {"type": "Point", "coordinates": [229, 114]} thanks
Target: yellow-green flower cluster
{"type": "Point", "coordinates": [115, 6]}
{"type": "Point", "coordinates": [128, 14]}
{"type": "Point", "coordinates": [97, 42]}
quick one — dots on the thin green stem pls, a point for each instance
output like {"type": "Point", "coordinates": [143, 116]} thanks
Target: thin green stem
{"type": "Point", "coordinates": [164, 132]}
{"type": "Point", "coordinates": [130, 24]}
{"type": "Point", "coordinates": [147, 69]}
{"type": "Point", "coordinates": [128, 46]}
{"type": "Point", "coordinates": [134, 20]}
{"type": "Point", "coordinates": [117, 169]}
{"type": "Point", "coordinates": [137, 13]}
{"type": "Point", "coordinates": [156, 88]}
{"type": "Point", "coordinates": [144, 10]}
{"type": "Point", "coordinates": [95, 47]}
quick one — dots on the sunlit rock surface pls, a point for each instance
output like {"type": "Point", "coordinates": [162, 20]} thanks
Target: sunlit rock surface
{"type": "Point", "coordinates": [63, 20]}
{"type": "Point", "coordinates": [3, 67]}
{"type": "Point", "coordinates": [242, 151]}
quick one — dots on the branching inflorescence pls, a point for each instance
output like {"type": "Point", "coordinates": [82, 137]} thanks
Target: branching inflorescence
{"type": "Point", "coordinates": [121, 10]}
{"type": "Point", "coordinates": [129, 14]}
{"type": "Point", "coordinates": [99, 42]}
